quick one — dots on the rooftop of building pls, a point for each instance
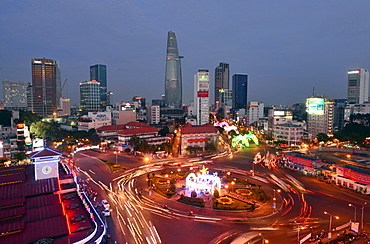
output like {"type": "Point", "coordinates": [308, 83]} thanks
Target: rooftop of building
{"type": "Point", "coordinates": [196, 129]}
{"type": "Point", "coordinates": [300, 155]}
{"type": "Point", "coordinates": [358, 169]}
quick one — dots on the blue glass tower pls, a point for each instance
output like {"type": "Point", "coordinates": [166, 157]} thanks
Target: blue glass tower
{"type": "Point", "coordinates": [98, 73]}
{"type": "Point", "coordinates": [240, 91]}
{"type": "Point", "coordinates": [173, 79]}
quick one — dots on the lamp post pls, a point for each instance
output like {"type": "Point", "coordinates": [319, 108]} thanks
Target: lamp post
{"type": "Point", "coordinates": [330, 220]}
{"type": "Point", "coordinates": [274, 199]}
{"type": "Point", "coordinates": [263, 239]}
{"type": "Point", "coordinates": [351, 205]}
{"type": "Point", "coordinates": [115, 152]}
{"type": "Point", "coordinates": [362, 215]}
{"type": "Point", "coordinates": [298, 229]}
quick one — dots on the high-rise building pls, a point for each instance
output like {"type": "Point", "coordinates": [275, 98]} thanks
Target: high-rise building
{"type": "Point", "coordinates": [64, 107]}
{"type": "Point", "coordinates": [45, 86]}
{"type": "Point", "coordinates": [201, 96]}
{"type": "Point", "coordinates": [15, 95]}
{"type": "Point", "coordinates": [98, 73]}
{"type": "Point", "coordinates": [222, 76]}
{"type": "Point", "coordinates": [173, 79]}
{"type": "Point", "coordinates": [240, 91]}
{"type": "Point", "coordinates": [320, 115]}
{"type": "Point", "coordinates": [90, 96]}
{"type": "Point", "coordinates": [358, 86]}
{"type": "Point", "coordinates": [255, 111]}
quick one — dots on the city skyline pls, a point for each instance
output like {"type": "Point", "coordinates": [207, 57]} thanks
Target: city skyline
{"type": "Point", "coordinates": [283, 47]}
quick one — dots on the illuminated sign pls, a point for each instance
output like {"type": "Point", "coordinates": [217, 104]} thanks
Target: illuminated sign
{"type": "Point", "coordinates": [20, 126]}
{"type": "Point", "coordinates": [46, 170]}
{"type": "Point", "coordinates": [204, 85]}
{"type": "Point", "coordinates": [199, 140]}
{"type": "Point", "coordinates": [315, 106]}
{"type": "Point", "coordinates": [279, 113]}
{"type": "Point", "coordinates": [99, 115]}
{"type": "Point", "coordinates": [203, 77]}
{"type": "Point", "coordinates": [203, 94]}
{"type": "Point", "coordinates": [354, 72]}
{"type": "Point", "coordinates": [127, 107]}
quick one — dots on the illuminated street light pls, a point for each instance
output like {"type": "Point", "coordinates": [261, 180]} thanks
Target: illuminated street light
{"type": "Point", "coordinates": [330, 220]}
{"type": "Point", "coordinates": [362, 215]}
{"type": "Point", "coordinates": [351, 205]}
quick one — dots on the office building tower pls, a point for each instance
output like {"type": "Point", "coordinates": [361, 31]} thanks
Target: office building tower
{"type": "Point", "coordinates": [154, 114]}
{"type": "Point", "coordinates": [201, 96]}
{"type": "Point", "coordinates": [339, 114]}
{"type": "Point", "coordinates": [240, 91]}
{"type": "Point", "coordinates": [173, 79]}
{"type": "Point", "coordinates": [222, 76]}
{"type": "Point", "coordinates": [64, 107]}
{"type": "Point", "coordinates": [45, 86]}
{"type": "Point", "coordinates": [98, 73]}
{"type": "Point", "coordinates": [90, 96]}
{"type": "Point", "coordinates": [320, 115]}
{"type": "Point", "coordinates": [226, 96]}
{"type": "Point", "coordinates": [110, 98]}
{"type": "Point", "coordinates": [358, 86]}
{"type": "Point", "coordinates": [15, 95]}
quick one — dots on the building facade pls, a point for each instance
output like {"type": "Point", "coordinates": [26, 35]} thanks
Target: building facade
{"type": "Point", "coordinates": [320, 115]}
{"type": "Point", "coordinates": [255, 111]}
{"type": "Point", "coordinates": [94, 120]}
{"type": "Point", "coordinates": [45, 86]}
{"type": "Point", "coordinates": [90, 96]}
{"type": "Point", "coordinates": [240, 91]}
{"type": "Point", "coordinates": [173, 78]}
{"type": "Point", "coordinates": [222, 81]}
{"type": "Point", "coordinates": [15, 95]}
{"type": "Point", "coordinates": [291, 133]}
{"type": "Point", "coordinates": [153, 114]}
{"type": "Point", "coordinates": [201, 96]}
{"type": "Point", "coordinates": [358, 86]}
{"type": "Point", "coordinates": [98, 73]}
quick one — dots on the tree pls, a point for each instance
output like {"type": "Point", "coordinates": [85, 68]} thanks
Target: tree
{"type": "Point", "coordinates": [193, 194]}
{"type": "Point", "coordinates": [28, 118]}
{"type": "Point", "coordinates": [134, 141]}
{"type": "Point", "coordinates": [322, 137]}
{"type": "Point", "coordinates": [5, 117]}
{"type": "Point", "coordinates": [210, 147]}
{"type": "Point", "coordinates": [20, 156]}
{"type": "Point", "coordinates": [164, 131]}
{"type": "Point", "coordinates": [216, 193]}
{"type": "Point", "coordinates": [39, 129]}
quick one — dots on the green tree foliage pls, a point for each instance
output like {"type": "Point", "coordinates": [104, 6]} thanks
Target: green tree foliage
{"type": "Point", "coordinates": [211, 147]}
{"type": "Point", "coordinates": [194, 149]}
{"type": "Point", "coordinates": [134, 141]}
{"type": "Point", "coordinates": [20, 156]}
{"type": "Point", "coordinates": [28, 118]}
{"type": "Point", "coordinates": [172, 188]}
{"type": "Point", "coordinates": [5, 117]}
{"type": "Point", "coordinates": [164, 131]}
{"type": "Point", "coordinates": [322, 137]}
{"type": "Point", "coordinates": [353, 132]}
{"type": "Point", "coordinates": [39, 129]}
{"type": "Point", "coordinates": [216, 193]}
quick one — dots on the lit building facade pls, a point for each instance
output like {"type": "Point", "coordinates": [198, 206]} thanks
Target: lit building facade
{"type": "Point", "coordinates": [291, 133]}
{"type": "Point", "coordinates": [197, 136]}
{"type": "Point", "coordinates": [201, 96]}
{"type": "Point", "coordinates": [45, 86]}
{"type": "Point", "coordinates": [98, 73]}
{"type": "Point", "coordinates": [15, 95]}
{"type": "Point", "coordinates": [154, 114]}
{"type": "Point", "coordinates": [65, 107]}
{"type": "Point", "coordinates": [240, 91]}
{"type": "Point", "coordinates": [173, 79]}
{"type": "Point", "coordinates": [320, 115]}
{"type": "Point", "coordinates": [222, 77]}
{"type": "Point", "coordinates": [255, 111]}
{"type": "Point", "coordinates": [94, 120]}
{"type": "Point", "coordinates": [90, 96]}
{"type": "Point", "coordinates": [358, 86]}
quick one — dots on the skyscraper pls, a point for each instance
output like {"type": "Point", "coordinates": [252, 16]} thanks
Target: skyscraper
{"type": "Point", "coordinates": [98, 73]}
{"type": "Point", "coordinates": [240, 91]}
{"type": "Point", "coordinates": [15, 95]}
{"type": "Point", "coordinates": [173, 79]}
{"type": "Point", "coordinates": [45, 86]}
{"type": "Point", "coordinates": [222, 76]}
{"type": "Point", "coordinates": [201, 96]}
{"type": "Point", "coordinates": [358, 86]}
{"type": "Point", "coordinates": [90, 96]}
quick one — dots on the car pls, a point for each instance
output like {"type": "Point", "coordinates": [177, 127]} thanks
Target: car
{"type": "Point", "coordinates": [105, 204]}
{"type": "Point", "coordinates": [106, 212]}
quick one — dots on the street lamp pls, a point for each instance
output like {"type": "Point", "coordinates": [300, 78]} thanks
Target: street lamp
{"type": "Point", "coordinates": [298, 229]}
{"type": "Point", "coordinates": [274, 199]}
{"type": "Point", "coordinates": [351, 205]}
{"type": "Point", "coordinates": [115, 152]}
{"type": "Point", "coordinates": [330, 220]}
{"type": "Point", "coordinates": [362, 215]}
{"type": "Point", "coordinates": [263, 239]}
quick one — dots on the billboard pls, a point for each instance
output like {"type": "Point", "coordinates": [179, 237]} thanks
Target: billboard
{"type": "Point", "coordinates": [46, 170]}
{"type": "Point", "coordinates": [203, 94]}
{"type": "Point", "coordinates": [315, 106]}
{"type": "Point", "coordinates": [127, 107]}
{"type": "Point", "coordinates": [99, 115]}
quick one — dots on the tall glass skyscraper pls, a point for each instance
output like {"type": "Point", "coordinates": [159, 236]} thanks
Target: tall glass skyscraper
{"type": "Point", "coordinates": [45, 86]}
{"type": "Point", "coordinates": [90, 96]}
{"type": "Point", "coordinates": [98, 73]}
{"type": "Point", "coordinates": [222, 76]}
{"type": "Point", "coordinates": [173, 80]}
{"type": "Point", "coordinates": [240, 91]}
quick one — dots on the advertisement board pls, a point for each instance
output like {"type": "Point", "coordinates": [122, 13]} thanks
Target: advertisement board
{"type": "Point", "coordinates": [315, 106]}
{"type": "Point", "coordinates": [46, 170]}
{"type": "Point", "coordinates": [203, 94]}
{"type": "Point", "coordinates": [99, 115]}
{"type": "Point", "coordinates": [127, 107]}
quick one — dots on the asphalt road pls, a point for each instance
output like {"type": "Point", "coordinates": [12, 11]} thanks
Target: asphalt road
{"type": "Point", "coordinates": [133, 221]}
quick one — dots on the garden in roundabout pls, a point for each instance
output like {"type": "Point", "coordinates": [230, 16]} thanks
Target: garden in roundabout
{"type": "Point", "coordinates": [218, 190]}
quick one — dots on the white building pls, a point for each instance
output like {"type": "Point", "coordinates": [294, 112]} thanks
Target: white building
{"type": "Point", "coordinates": [255, 111]}
{"type": "Point", "coordinates": [290, 132]}
{"type": "Point", "coordinates": [358, 86]}
{"type": "Point", "coordinates": [201, 96]}
{"type": "Point", "coordinates": [64, 107]}
{"type": "Point", "coordinates": [94, 120]}
{"type": "Point", "coordinates": [153, 114]}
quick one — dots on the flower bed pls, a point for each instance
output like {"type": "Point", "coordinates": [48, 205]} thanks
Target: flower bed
{"type": "Point", "coordinates": [194, 201]}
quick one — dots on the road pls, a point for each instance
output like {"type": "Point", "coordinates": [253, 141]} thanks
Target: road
{"type": "Point", "coordinates": [137, 220]}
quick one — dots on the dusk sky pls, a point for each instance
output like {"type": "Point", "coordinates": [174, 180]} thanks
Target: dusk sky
{"type": "Point", "coordinates": [286, 47]}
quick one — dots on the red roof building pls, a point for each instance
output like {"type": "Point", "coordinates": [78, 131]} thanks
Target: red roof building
{"type": "Point", "coordinates": [193, 135]}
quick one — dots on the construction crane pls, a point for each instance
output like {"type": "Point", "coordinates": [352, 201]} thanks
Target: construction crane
{"type": "Point", "coordinates": [55, 109]}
